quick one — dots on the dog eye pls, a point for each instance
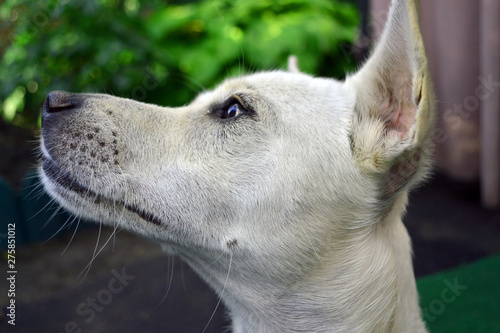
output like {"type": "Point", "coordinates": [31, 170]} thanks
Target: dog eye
{"type": "Point", "coordinates": [232, 111]}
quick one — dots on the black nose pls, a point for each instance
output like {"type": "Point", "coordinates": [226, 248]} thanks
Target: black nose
{"type": "Point", "coordinates": [58, 101]}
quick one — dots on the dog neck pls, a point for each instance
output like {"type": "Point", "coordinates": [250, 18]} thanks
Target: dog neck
{"type": "Point", "coordinates": [364, 283]}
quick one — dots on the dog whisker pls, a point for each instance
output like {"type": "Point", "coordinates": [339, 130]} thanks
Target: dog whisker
{"type": "Point", "coordinates": [38, 186]}
{"type": "Point", "coordinates": [47, 206]}
{"type": "Point", "coordinates": [171, 261]}
{"type": "Point", "coordinates": [86, 269]}
{"type": "Point", "coordinates": [56, 211]}
{"type": "Point", "coordinates": [65, 224]}
{"type": "Point", "coordinates": [74, 233]}
{"type": "Point", "coordinates": [222, 292]}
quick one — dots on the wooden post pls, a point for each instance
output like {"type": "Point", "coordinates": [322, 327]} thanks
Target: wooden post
{"type": "Point", "coordinates": [490, 103]}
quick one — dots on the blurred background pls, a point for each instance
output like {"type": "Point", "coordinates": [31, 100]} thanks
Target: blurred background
{"type": "Point", "coordinates": [166, 52]}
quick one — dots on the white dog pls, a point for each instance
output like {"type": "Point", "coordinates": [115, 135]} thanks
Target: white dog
{"type": "Point", "coordinates": [283, 191]}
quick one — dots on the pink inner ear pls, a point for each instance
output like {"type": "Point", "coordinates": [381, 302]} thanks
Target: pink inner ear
{"type": "Point", "coordinates": [401, 118]}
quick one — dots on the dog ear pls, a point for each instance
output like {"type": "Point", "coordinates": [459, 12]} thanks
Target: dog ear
{"type": "Point", "coordinates": [394, 104]}
{"type": "Point", "coordinates": [293, 64]}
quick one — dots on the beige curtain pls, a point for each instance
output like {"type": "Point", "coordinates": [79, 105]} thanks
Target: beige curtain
{"type": "Point", "coordinates": [462, 38]}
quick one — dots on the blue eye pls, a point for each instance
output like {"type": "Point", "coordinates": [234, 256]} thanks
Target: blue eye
{"type": "Point", "coordinates": [233, 111]}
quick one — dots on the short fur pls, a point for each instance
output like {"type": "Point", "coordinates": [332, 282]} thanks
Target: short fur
{"type": "Point", "coordinates": [291, 210]}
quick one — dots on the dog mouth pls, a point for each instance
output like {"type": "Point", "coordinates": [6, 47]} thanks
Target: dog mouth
{"type": "Point", "coordinates": [62, 178]}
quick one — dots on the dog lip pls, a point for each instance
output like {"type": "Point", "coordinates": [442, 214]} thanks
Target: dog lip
{"type": "Point", "coordinates": [55, 174]}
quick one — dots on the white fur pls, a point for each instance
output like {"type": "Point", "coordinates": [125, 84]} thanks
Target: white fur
{"type": "Point", "coordinates": [291, 213]}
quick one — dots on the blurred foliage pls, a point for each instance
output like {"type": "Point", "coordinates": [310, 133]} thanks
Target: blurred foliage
{"type": "Point", "coordinates": [157, 51]}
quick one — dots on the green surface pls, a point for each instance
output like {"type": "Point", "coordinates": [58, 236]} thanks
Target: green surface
{"type": "Point", "coordinates": [465, 299]}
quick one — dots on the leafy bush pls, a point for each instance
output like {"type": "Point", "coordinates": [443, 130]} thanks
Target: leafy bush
{"type": "Point", "coordinates": [156, 52]}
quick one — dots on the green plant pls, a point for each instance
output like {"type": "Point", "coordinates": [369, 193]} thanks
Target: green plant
{"type": "Point", "coordinates": [156, 52]}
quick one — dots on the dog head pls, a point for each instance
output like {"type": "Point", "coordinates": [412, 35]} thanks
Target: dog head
{"type": "Point", "coordinates": [271, 168]}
